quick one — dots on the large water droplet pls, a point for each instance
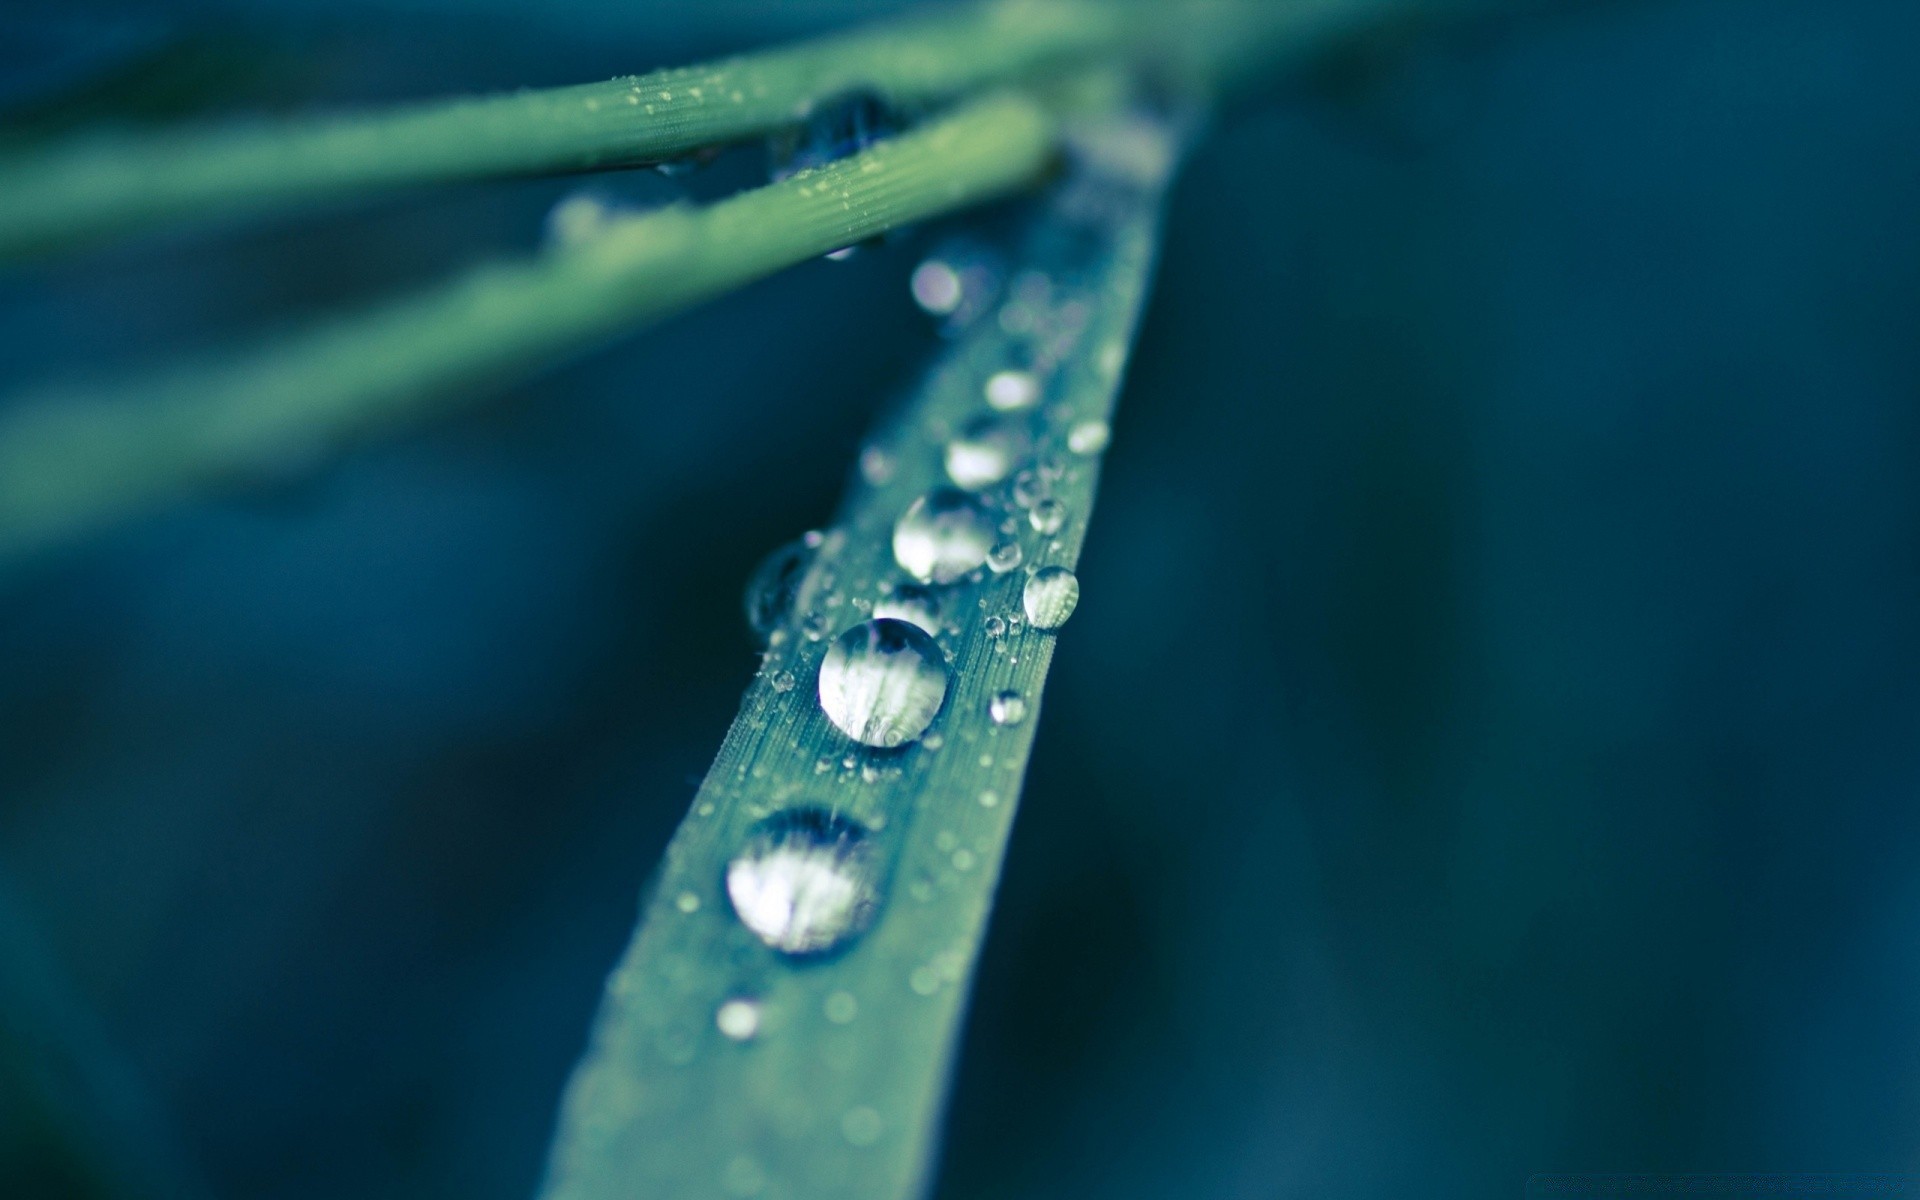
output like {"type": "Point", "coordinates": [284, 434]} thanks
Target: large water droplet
{"type": "Point", "coordinates": [1050, 597]}
{"type": "Point", "coordinates": [883, 682]}
{"type": "Point", "coordinates": [985, 450]}
{"type": "Point", "coordinates": [944, 535]}
{"type": "Point", "coordinates": [912, 603]}
{"type": "Point", "coordinates": [775, 585]}
{"type": "Point", "coordinates": [805, 882]}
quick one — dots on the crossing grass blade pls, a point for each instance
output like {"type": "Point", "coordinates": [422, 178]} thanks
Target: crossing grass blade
{"type": "Point", "coordinates": [838, 1091]}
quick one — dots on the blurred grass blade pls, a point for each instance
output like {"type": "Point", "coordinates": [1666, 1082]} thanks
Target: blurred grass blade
{"type": "Point", "coordinates": [825, 1075]}
{"type": "Point", "coordinates": [73, 458]}
{"type": "Point", "coordinates": [104, 184]}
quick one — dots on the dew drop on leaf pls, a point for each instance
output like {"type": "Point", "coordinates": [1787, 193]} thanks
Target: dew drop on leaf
{"type": "Point", "coordinates": [1047, 515]}
{"type": "Point", "coordinates": [738, 1019]}
{"type": "Point", "coordinates": [882, 682]}
{"type": "Point", "coordinates": [805, 881]}
{"type": "Point", "coordinates": [774, 586]}
{"type": "Point", "coordinates": [1088, 437]}
{"type": "Point", "coordinates": [1050, 597]}
{"type": "Point", "coordinates": [912, 603]}
{"type": "Point", "coordinates": [1004, 557]}
{"type": "Point", "coordinates": [1007, 708]}
{"type": "Point", "coordinates": [1010, 391]}
{"type": "Point", "coordinates": [985, 450]}
{"type": "Point", "coordinates": [943, 535]}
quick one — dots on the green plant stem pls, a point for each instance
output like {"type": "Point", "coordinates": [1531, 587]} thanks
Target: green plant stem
{"type": "Point", "coordinates": [96, 186]}
{"type": "Point", "coordinates": [839, 1093]}
{"type": "Point", "coordinates": [75, 457]}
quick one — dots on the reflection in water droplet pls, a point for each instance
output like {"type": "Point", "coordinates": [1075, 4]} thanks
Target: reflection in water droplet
{"type": "Point", "coordinates": [1007, 708]}
{"type": "Point", "coordinates": [774, 586]}
{"type": "Point", "coordinates": [1047, 516]}
{"type": "Point", "coordinates": [1012, 390]}
{"type": "Point", "coordinates": [883, 682]}
{"type": "Point", "coordinates": [1004, 557]}
{"type": "Point", "coordinates": [912, 603]}
{"type": "Point", "coordinates": [1050, 597]}
{"type": "Point", "coordinates": [944, 535]}
{"type": "Point", "coordinates": [805, 881]}
{"type": "Point", "coordinates": [982, 453]}
{"type": "Point", "coordinates": [1088, 437]}
{"type": "Point", "coordinates": [738, 1019]}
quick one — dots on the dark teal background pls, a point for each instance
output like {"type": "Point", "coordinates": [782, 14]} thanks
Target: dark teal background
{"type": "Point", "coordinates": [1489, 742]}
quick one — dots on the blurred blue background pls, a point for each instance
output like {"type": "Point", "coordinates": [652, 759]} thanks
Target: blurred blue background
{"type": "Point", "coordinates": [1489, 742]}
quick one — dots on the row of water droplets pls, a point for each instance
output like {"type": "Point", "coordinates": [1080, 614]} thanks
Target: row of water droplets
{"type": "Point", "coordinates": [807, 879]}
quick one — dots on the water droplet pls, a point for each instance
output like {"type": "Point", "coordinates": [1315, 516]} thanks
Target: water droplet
{"type": "Point", "coordinates": [775, 585]}
{"type": "Point", "coordinates": [738, 1019]}
{"type": "Point", "coordinates": [995, 626]}
{"type": "Point", "coordinates": [782, 681]}
{"type": "Point", "coordinates": [1048, 515]}
{"type": "Point", "coordinates": [833, 128]}
{"type": "Point", "coordinates": [989, 799]}
{"type": "Point", "coordinates": [842, 1008]}
{"type": "Point", "coordinates": [958, 282]}
{"type": "Point", "coordinates": [923, 981]}
{"type": "Point", "coordinates": [982, 453]}
{"type": "Point", "coordinates": [944, 535]}
{"type": "Point", "coordinates": [1028, 488]}
{"type": "Point", "coordinates": [883, 682]}
{"type": "Point", "coordinates": [963, 859]}
{"type": "Point", "coordinates": [862, 1126]}
{"type": "Point", "coordinates": [1007, 708]}
{"type": "Point", "coordinates": [1088, 437]}
{"type": "Point", "coordinates": [687, 902]}
{"type": "Point", "coordinates": [1005, 557]}
{"type": "Point", "coordinates": [875, 467]}
{"type": "Point", "coordinates": [1050, 597]}
{"type": "Point", "coordinates": [1010, 391]}
{"type": "Point", "coordinates": [912, 603]}
{"type": "Point", "coordinates": [805, 881]}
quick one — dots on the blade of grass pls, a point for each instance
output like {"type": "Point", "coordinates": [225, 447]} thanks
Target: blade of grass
{"type": "Point", "coordinates": [100, 185]}
{"type": "Point", "coordinates": [838, 1092]}
{"type": "Point", "coordinates": [74, 457]}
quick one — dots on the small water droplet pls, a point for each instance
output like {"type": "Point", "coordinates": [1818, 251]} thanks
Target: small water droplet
{"type": "Point", "coordinates": [957, 283]}
{"type": "Point", "coordinates": [862, 1126]}
{"type": "Point", "coordinates": [1050, 597]}
{"type": "Point", "coordinates": [1088, 437]}
{"type": "Point", "coordinates": [1005, 557]}
{"type": "Point", "coordinates": [687, 902]}
{"type": "Point", "coordinates": [883, 682]}
{"type": "Point", "coordinates": [995, 626]}
{"type": "Point", "coordinates": [1007, 708]}
{"type": "Point", "coordinates": [805, 881]}
{"type": "Point", "coordinates": [782, 681]}
{"type": "Point", "coordinates": [912, 603]}
{"type": "Point", "coordinates": [1048, 515]}
{"type": "Point", "coordinates": [944, 535]}
{"type": "Point", "coordinates": [775, 585]}
{"type": "Point", "coordinates": [875, 467]}
{"type": "Point", "coordinates": [1010, 391]}
{"type": "Point", "coordinates": [738, 1019]}
{"type": "Point", "coordinates": [989, 799]}
{"type": "Point", "coordinates": [1028, 488]}
{"type": "Point", "coordinates": [923, 981]}
{"type": "Point", "coordinates": [985, 450]}
{"type": "Point", "coordinates": [842, 1008]}
{"type": "Point", "coordinates": [937, 287]}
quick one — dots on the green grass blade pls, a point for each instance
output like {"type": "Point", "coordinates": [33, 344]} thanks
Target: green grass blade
{"type": "Point", "coordinates": [101, 185]}
{"type": "Point", "coordinates": [838, 1094]}
{"type": "Point", "coordinates": [73, 458]}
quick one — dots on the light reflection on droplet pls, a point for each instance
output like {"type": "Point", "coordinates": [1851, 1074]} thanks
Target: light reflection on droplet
{"type": "Point", "coordinates": [882, 682]}
{"type": "Point", "coordinates": [1050, 597]}
{"type": "Point", "coordinates": [943, 535]}
{"type": "Point", "coordinates": [804, 882]}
